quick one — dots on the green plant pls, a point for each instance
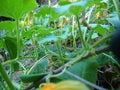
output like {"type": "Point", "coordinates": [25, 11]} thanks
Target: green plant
{"type": "Point", "coordinates": [59, 40]}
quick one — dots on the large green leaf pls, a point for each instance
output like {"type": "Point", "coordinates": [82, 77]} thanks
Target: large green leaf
{"type": "Point", "coordinates": [16, 8]}
{"type": "Point", "coordinates": [65, 8]}
{"type": "Point", "coordinates": [11, 46]}
{"type": "Point", "coordinates": [86, 69]}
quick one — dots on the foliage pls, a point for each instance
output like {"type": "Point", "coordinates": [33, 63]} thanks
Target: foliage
{"type": "Point", "coordinates": [41, 42]}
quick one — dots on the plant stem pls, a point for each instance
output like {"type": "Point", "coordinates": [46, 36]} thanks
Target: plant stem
{"type": "Point", "coordinates": [59, 48]}
{"type": "Point", "coordinates": [18, 38]}
{"type": "Point", "coordinates": [101, 41]}
{"type": "Point", "coordinates": [15, 60]}
{"type": "Point", "coordinates": [6, 78]}
{"type": "Point", "coordinates": [116, 7]}
{"type": "Point", "coordinates": [35, 46]}
{"type": "Point", "coordinates": [73, 33]}
{"type": "Point", "coordinates": [60, 69]}
{"type": "Point", "coordinates": [80, 32]}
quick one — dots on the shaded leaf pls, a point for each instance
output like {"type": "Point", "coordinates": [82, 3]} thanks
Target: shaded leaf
{"type": "Point", "coordinates": [11, 45]}
{"type": "Point", "coordinates": [31, 77]}
{"type": "Point", "coordinates": [86, 69]}
{"type": "Point", "coordinates": [65, 8]}
{"type": "Point", "coordinates": [7, 25]}
{"type": "Point", "coordinates": [39, 67]}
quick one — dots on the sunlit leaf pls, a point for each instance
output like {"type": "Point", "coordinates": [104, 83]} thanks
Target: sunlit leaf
{"type": "Point", "coordinates": [64, 2]}
{"type": "Point", "coordinates": [76, 10]}
{"type": "Point", "coordinates": [50, 11]}
{"type": "Point", "coordinates": [100, 30]}
{"type": "Point", "coordinates": [93, 2]}
{"type": "Point", "coordinates": [16, 8]}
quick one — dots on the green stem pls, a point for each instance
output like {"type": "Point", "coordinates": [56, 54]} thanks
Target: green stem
{"type": "Point", "coordinates": [76, 59]}
{"type": "Point", "coordinates": [101, 41]}
{"type": "Point", "coordinates": [6, 78]}
{"type": "Point", "coordinates": [116, 7]}
{"type": "Point", "coordinates": [35, 46]}
{"type": "Point", "coordinates": [73, 34]}
{"type": "Point", "coordinates": [81, 34]}
{"type": "Point", "coordinates": [59, 49]}
{"type": "Point", "coordinates": [15, 60]}
{"type": "Point", "coordinates": [18, 38]}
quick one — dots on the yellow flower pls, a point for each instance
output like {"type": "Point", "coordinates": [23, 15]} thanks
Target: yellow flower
{"type": "Point", "coordinates": [65, 85]}
{"type": "Point", "coordinates": [49, 86]}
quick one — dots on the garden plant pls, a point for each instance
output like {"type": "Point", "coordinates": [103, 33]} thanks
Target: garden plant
{"type": "Point", "coordinates": [58, 45]}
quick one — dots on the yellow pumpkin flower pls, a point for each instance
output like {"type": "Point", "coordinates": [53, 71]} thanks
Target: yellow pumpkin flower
{"type": "Point", "coordinates": [65, 85]}
{"type": "Point", "coordinates": [49, 86]}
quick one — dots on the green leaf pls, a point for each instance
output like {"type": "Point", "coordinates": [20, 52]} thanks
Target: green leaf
{"type": "Point", "coordinates": [86, 69]}
{"type": "Point", "coordinates": [32, 77]}
{"type": "Point", "coordinates": [15, 66]}
{"type": "Point", "coordinates": [114, 20]}
{"type": "Point", "coordinates": [64, 2]}
{"type": "Point", "coordinates": [37, 71]}
{"type": "Point", "coordinates": [16, 8]}
{"type": "Point", "coordinates": [76, 10]}
{"type": "Point", "coordinates": [102, 59]}
{"type": "Point", "coordinates": [39, 67]}
{"type": "Point", "coordinates": [11, 46]}
{"type": "Point", "coordinates": [39, 31]}
{"type": "Point", "coordinates": [64, 34]}
{"type": "Point", "coordinates": [93, 2]}
{"type": "Point", "coordinates": [7, 25]}
{"type": "Point", "coordinates": [46, 10]}
{"type": "Point", "coordinates": [100, 29]}
{"type": "Point", "coordinates": [65, 8]}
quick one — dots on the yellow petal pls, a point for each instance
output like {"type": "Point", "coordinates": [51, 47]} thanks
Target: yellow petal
{"type": "Point", "coordinates": [71, 85]}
